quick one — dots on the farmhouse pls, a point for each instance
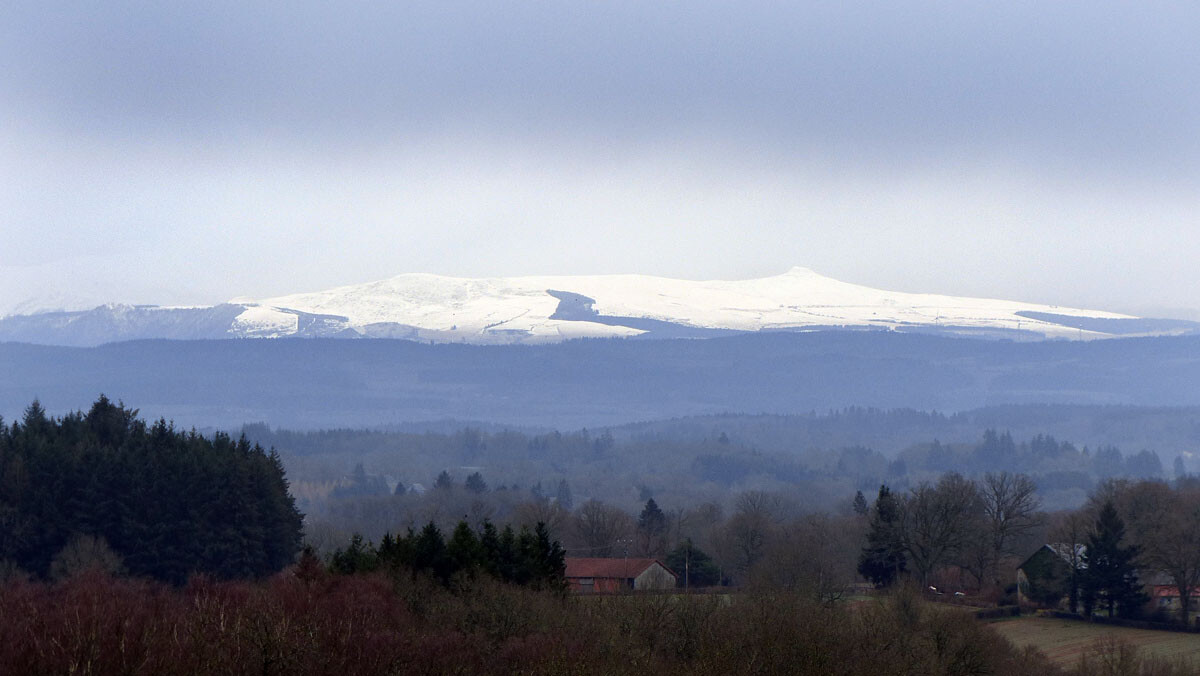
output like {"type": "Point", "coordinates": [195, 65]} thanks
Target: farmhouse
{"type": "Point", "coordinates": [1044, 579]}
{"type": "Point", "coordinates": [611, 575]}
{"type": "Point", "coordinates": [1166, 596]}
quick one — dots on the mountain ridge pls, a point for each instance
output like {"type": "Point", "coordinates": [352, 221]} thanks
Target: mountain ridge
{"type": "Point", "coordinates": [541, 309]}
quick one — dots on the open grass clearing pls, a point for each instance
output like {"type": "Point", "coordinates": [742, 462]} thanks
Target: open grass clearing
{"type": "Point", "coordinates": [1063, 641]}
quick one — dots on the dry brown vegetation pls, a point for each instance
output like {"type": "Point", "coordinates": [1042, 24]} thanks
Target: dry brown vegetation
{"type": "Point", "coordinates": [309, 622]}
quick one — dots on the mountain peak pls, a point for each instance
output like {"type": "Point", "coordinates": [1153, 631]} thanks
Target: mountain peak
{"type": "Point", "coordinates": [800, 271]}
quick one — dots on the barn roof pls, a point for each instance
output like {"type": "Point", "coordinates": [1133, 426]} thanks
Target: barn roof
{"type": "Point", "coordinates": [618, 568]}
{"type": "Point", "coordinates": [1062, 551]}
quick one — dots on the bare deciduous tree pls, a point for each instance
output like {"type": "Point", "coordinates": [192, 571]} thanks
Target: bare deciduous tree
{"type": "Point", "coordinates": [935, 520]}
{"type": "Point", "coordinates": [746, 534]}
{"type": "Point", "coordinates": [84, 552]}
{"type": "Point", "coordinates": [814, 555]}
{"type": "Point", "coordinates": [530, 514]}
{"type": "Point", "coordinates": [1010, 505]}
{"type": "Point", "coordinates": [599, 526]}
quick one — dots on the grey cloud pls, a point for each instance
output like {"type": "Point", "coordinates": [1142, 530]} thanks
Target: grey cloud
{"type": "Point", "coordinates": [1097, 80]}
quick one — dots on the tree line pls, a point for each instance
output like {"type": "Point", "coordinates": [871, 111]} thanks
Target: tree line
{"type": "Point", "coordinates": [105, 487]}
{"type": "Point", "coordinates": [679, 466]}
{"type": "Point", "coordinates": [527, 559]}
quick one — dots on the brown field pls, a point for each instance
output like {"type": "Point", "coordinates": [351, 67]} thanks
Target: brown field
{"type": "Point", "coordinates": [1063, 641]}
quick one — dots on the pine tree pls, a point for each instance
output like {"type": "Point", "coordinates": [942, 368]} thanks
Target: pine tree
{"type": "Point", "coordinates": [397, 553]}
{"type": "Point", "coordinates": [464, 551]}
{"type": "Point", "coordinates": [860, 504]}
{"type": "Point", "coordinates": [429, 553]}
{"type": "Point", "coordinates": [652, 520]}
{"type": "Point", "coordinates": [508, 563]}
{"type": "Point", "coordinates": [882, 560]}
{"type": "Point", "coordinates": [563, 495]}
{"type": "Point", "coordinates": [358, 557]}
{"type": "Point", "coordinates": [652, 529]}
{"type": "Point", "coordinates": [489, 542]}
{"type": "Point", "coordinates": [475, 483]}
{"type": "Point", "coordinates": [542, 560]}
{"type": "Point", "coordinates": [694, 567]}
{"type": "Point", "coordinates": [1110, 577]}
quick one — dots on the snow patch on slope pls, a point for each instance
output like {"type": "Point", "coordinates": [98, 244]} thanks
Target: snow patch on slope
{"type": "Point", "coordinates": [265, 322]}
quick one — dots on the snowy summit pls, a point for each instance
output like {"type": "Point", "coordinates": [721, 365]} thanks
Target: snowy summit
{"type": "Point", "coordinates": [429, 307]}
{"type": "Point", "coordinates": [523, 309]}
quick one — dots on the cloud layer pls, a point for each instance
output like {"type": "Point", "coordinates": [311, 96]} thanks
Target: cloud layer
{"type": "Point", "coordinates": [188, 152]}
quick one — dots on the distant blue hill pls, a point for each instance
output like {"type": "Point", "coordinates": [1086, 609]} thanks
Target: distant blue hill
{"type": "Point", "coordinates": [314, 383]}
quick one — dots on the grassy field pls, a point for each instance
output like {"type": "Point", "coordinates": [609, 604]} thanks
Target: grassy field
{"type": "Point", "coordinates": [1063, 641]}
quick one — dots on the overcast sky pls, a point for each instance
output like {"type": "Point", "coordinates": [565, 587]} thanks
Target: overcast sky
{"type": "Point", "coordinates": [189, 152]}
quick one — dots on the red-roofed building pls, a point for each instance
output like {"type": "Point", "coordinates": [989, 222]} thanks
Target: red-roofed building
{"type": "Point", "coordinates": [612, 575]}
{"type": "Point", "coordinates": [1166, 596]}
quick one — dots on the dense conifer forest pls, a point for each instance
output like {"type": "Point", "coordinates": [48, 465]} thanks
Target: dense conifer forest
{"type": "Point", "coordinates": [104, 487]}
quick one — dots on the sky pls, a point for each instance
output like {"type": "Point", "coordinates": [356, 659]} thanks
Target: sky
{"type": "Point", "coordinates": [191, 152]}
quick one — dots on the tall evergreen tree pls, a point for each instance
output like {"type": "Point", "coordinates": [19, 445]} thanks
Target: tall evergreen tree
{"type": "Point", "coordinates": [652, 530]}
{"type": "Point", "coordinates": [694, 567]}
{"type": "Point", "coordinates": [1110, 576]}
{"type": "Point", "coordinates": [652, 519]}
{"type": "Point", "coordinates": [882, 559]}
{"type": "Point", "coordinates": [563, 496]}
{"type": "Point", "coordinates": [429, 553]}
{"type": "Point", "coordinates": [860, 504]}
{"type": "Point", "coordinates": [544, 559]}
{"type": "Point", "coordinates": [475, 483]}
{"type": "Point", "coordinates": [465, 552]}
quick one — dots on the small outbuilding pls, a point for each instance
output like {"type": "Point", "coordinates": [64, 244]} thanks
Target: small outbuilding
{"type": "Point", "coordinates": [589, 575]}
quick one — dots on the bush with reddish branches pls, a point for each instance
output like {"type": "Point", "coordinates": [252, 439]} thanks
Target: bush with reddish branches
{"type": "Point", "coordinates": [307, 621]}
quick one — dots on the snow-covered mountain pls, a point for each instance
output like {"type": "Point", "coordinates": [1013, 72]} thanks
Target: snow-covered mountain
{"type": "Point", "coordinates": [547, 309]}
